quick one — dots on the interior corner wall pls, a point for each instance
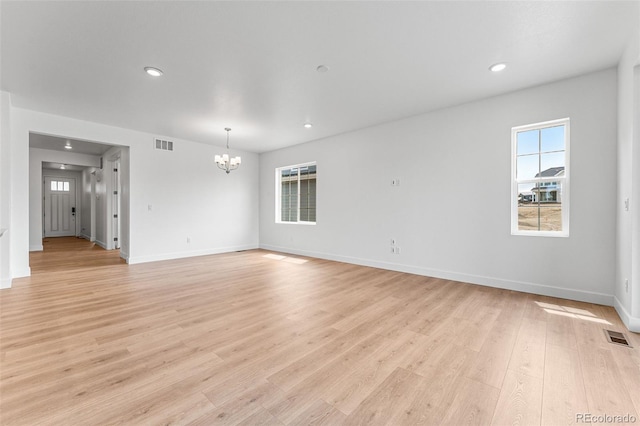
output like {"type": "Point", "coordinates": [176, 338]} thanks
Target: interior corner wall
{"type": "Point", "coordinates": [5, 190]}
{"type": "Point", "coordinates": [173, 195]}
{"type": "Point", "coordinates": [36, 158]}
{"type": "Point", "coordinates": [627, 298]}
{"type": "Point", "coordinates": [451, 213]}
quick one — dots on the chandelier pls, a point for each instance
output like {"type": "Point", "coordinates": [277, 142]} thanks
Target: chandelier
{"type": "Point", "coordinates": [226, 163]}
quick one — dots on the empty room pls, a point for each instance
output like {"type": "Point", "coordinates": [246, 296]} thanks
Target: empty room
{"type": "Point", "coordinates": [319, 212]}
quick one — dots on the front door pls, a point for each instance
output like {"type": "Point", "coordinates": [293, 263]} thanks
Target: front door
{"type": "Point", "coordinates": [59, 207]}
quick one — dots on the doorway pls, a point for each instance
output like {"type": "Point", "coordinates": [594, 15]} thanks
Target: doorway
{"type": "Point", "coordinates": [79, 197]}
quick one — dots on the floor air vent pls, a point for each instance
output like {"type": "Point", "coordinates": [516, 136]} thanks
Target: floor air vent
{"type": "Point", "coordinates": [617, 338]}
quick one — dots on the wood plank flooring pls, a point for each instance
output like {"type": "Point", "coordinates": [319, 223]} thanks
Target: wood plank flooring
{"type": "Point", "coordinates": [260, 338]}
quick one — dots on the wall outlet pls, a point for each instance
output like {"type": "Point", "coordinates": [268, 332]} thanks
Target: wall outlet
{"type": "Point", "coordinates": [626, 204]}
{"type": "Point", "coordinates": [395, 182]}
{"type": "Point", "coordinates": [626, 285]}
{"type": "Point", "coordinates": [393, 241]}
{"type": "Point", "coordinates": [397, 250]}
{"type": "Point", "coordinates": [393, 250]}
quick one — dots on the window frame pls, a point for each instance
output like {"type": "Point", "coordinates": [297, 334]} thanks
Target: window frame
{"type": "Point", "coordinates": [57, 183]}
{"type": "Point", "coordinates": [564, 180]}
{"type": "Point", "coordinates": [278, 192]}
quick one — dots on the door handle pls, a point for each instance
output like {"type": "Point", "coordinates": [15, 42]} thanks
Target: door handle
{"type": "Point", "coordinates": [73, 211]}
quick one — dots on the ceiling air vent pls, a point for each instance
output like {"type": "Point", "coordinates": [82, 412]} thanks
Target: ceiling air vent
{"type": "Point", "coordinates": [163, 145]}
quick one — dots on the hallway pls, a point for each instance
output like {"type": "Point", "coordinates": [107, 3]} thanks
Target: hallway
{"type": "Point", "coordinates": [71, 253]}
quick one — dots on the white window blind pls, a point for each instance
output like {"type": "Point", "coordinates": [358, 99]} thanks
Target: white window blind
{"type": "Point", "coordinates": [296, 194]}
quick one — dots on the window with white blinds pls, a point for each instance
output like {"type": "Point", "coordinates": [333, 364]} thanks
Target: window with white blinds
{"type": "Point", "coordinates": [296, 194]}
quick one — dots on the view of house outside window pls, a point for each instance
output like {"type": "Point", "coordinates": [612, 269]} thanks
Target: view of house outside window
{"type": "Point", "coordinates": [540, 179]}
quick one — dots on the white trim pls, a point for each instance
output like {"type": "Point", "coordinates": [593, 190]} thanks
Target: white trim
{"type": "Point", "coordinates": [557, 234]}
{"type": "Point", "coordinates": [632, 323]}
{"type": "Point", "coordinates": [101, 244]}
{"type": "Point", "coordinates": [194, 253]}
{"type": "Point", "coordinates": [20, 274]}
{"type": "Point", "coordinates": [526, 287]}
{"type": "Point", "coordinates": [6, 283]}
{"type": "Point", "coordinates": [36, 247]}
{"type": "Point", "coordinates": [566, 187]}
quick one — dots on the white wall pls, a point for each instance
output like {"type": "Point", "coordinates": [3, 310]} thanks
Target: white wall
{"type": "Point", "coordinates": [451, 213]}
{"type": "Point", "coordinates": [19, 181]}
{"type": "Point", "coordinates": [189, 196]}
{"type": "Point", "coordinates": [5, 189]}
{"type": "Point", "coordinates": [182, 194]}
{"type": "Point", "coordinates": [87, 197]}
{"type": "Point", "coordinates": [36, 158]}
{"type": "Point", "coordinates": [102, 177]}
{"type": "Point", "coordinates": [627, 301]}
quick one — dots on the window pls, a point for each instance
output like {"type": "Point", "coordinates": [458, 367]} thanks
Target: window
{"type": "Point", "coordinates": [540, 179]}
{"type": "Point", "coordinates": [57, 185]}
{"type": "Point", "coordinates": [296, 194]}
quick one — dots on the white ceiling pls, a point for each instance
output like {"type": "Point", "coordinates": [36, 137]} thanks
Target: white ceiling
{"type": "Point", "coordinates": [56, 166]}
{"type": "Point", "coordinates": [251, 66]}
{"type": "Point", "coordinates": [58, 144]}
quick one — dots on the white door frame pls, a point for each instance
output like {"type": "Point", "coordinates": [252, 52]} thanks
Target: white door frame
{"type": "Point", "coordinates": [110, 181]}
{"type": "Point", "coordinates": [92, 229]}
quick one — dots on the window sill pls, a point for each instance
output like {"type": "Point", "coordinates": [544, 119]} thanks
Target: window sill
{"type": "Point", "coordinates": [553, 234]}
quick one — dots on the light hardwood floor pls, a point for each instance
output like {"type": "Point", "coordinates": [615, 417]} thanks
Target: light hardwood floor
{"type": "Point", "coordinates": [256, 338]}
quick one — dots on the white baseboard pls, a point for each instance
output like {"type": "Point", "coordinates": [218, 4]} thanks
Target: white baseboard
{"type": "Point", "coordinates": [632, 323]}
{"type": "Point", "coordinates": [101, 244]}
{"type": "Point", "coordinates": [526, 287]}
{"type": "Point", "coordinates": [21, 273]}
{"type": "Point", "coordinates": [5, 283]}
{"type": "Point", "coordinates": [181, 255]}
{"type": "Point", "coordinates": [36, 247]}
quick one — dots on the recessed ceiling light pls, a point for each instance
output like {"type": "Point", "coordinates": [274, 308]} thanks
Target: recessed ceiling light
{"type": "Point", "coordinates": [308, 125]}
{"type": "Point", "coordinates": [68, 145]}
{"type": "Point", "coordinates": [62, 167]}
{"type": "Point", "coordinates": [155, 72]}
{"type": "Point", "coordinates": [322, 68]}
{"type": "Point", "coordinates": [498, 67]}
